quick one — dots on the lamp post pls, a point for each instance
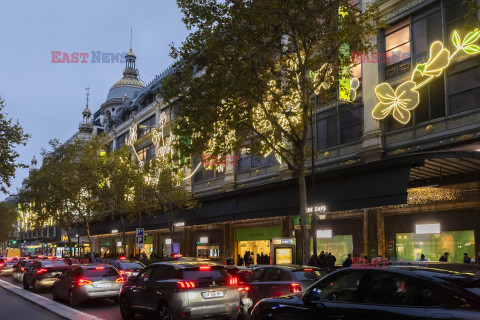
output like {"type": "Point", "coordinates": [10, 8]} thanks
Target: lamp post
{"type": "Point", "coordinates": [313, 220]}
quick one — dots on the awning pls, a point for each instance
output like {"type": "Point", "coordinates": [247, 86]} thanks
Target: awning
{"type": "Point", "coordinates": [32, 243]}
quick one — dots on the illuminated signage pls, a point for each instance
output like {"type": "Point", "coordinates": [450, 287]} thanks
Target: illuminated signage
{"type": "Point", "coordinates": [114, 231]}
{"type": "Point", "coordinates": [324, 234]}
{"type": "Point", "coordinates": [428, 228]}
{"type": "Point", "coordinates": [203, 239]}
{"type": "Point", "coordinates": [405, 98]}
{"type": "Point", "coordinates": [64, 238]}
{"type": "Point", "coordinates": [179, 224]}
{"type": "Point", "coordinates": [168, 241]}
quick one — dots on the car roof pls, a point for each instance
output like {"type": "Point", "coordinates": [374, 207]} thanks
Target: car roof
{"type": "Point", "coordinates": [188, 264]}
{"type": "Point", "coordinates": [287, 267]}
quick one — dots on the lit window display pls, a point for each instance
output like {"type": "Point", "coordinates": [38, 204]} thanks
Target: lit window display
{"type": "Point", "coordinates": [339, 245]}
{"type": "Point", "coordinates": [410, 246]}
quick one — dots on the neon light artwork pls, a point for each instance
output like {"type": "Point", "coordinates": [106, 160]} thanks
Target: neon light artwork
{"type": "Point", "coordinates": [406, 97]}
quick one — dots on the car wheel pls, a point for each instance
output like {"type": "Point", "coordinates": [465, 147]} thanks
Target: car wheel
{"type": "Point", "coordinates": [72, 299]}
{"type": "Point", "coordinates": [164, 313]}
{"type": "Point", "coordinates": [25, 285]}
{"type": "Point", "coordinates": [126, 310]}
{"type": "Point", "coordinates": [35, 286]}
{"type": "Point", "coordinates": [54, 294]}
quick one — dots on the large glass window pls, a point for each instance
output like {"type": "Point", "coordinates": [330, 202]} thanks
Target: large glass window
{"type": "Point", "coordinates": [464, 90]}
{"type": "Point", "coordinates": [339, 126]}
{"type": "Point", "coordinates": [410, 246]}
{"type": "Point", "coordinates": [248, 161]}
{"type": "Point", "coordinates": [397, 49]}
{"type": "Point", "coordinates": [203, 174]}
{"type": "Point", "coordinates": [455, 12]}
{"type": "Point", "coordinates": [122, 140]}
{"type": "Point", "coordinates": [147, 153]}
{"type": "Point", "coordinates": [146, 126]}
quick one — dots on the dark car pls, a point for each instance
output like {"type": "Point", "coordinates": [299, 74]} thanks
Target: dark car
{"type": "Point", "coordinates": [394, 293]}
{"type": "Point", "coordinates": [7, 265]}
{"type": "Point", "coordinates": [128, 268]}
{"type": "Point", "coordinates": [43, 273]}
{"type": "Point", "coordinates": [87, 282]}
{"type": "Point", "coordinates": [181, 290]}
{"type": "Point", "coordinates": [272, 281]}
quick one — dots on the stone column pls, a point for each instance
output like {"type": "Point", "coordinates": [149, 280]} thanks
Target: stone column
{"type": "Point", "coordinates": [381, 235]}
{"type": "Point", "coordinates": [370, 233]}
{"type": "Point", "coordinates": [372, 134]}
{"type": "Point", "coordinates": [232, 162]}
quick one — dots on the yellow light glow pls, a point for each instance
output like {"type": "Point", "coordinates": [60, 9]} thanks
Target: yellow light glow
{"type": "Point", "coordinates": [406, 97]}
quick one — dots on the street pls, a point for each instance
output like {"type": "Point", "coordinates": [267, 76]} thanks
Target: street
{"type": "Point", "coordinates": [105, 309]}
{"type": "Point", "coordinates": [14, 307]}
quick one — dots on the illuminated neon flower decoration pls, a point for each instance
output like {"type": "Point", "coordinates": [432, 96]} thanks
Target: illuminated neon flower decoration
{"type": "Point", "coordinates": [406, 97]}
{"type": "Point", "coordinates": [398, 102]}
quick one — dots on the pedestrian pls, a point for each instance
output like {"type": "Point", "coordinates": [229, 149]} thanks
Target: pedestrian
{"type": "Point", "coordinates": [239, 260]}
{"type": "Point", "coordinates": [422, 257]}
{"type": "Point", "coordinates": [313, 261]}
{"type": "Point", "coordinates": [348, 262]}
{"type": "Point", "coordinates": [444, 258]}
{"type": "Point", "coordinates": [466, 258]}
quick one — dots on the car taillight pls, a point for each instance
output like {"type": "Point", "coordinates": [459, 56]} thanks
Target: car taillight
{"type": "Point", "coordinates": [99, 268]}
{"type": "Point", "coordinates": [307, 270]}
{"type": "Point", "coordinates": [83, 282]}
{"type": "Point", "coordinates": [232, 281]}
{"type": "Point", "coordinates": [40, 271]}
{"type": "Point", "coordinates": [1, 265]}
{"type": "Point", "coordinates": [205, 268]}
{"type": "Point", "coordinates": [295, 287]}
{"type": "Point", "coordinates": [22, 268]}
{"type": "Point", "coordinates": [120, 280]}
{"type": "Point", "coordinates": [125, 273]}
{"type": "Point", "coordinates": [185, 284]}
{"type": "Point", "coordinates": [244, 288]}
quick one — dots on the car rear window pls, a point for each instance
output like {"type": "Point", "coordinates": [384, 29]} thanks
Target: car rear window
{"type": "Point", "coordinates": [99, 272]}
{"type": "Point", "coordinates": [307, 274]}
{"type": "Point", "coordinates": [53, 264]}
{"type": "Point", "coordinates": [130, 265]}
{"type": "Point", "coordinates": [212, 274]}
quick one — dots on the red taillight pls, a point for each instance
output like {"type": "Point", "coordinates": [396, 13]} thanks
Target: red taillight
{"type": "Point", "coordinates": [122, 272]}
{"type": "Point", "coordinates": [295, 287]}
{"type": "Point", "coordinates": [307, 270]}
{"type": "Point", "coordinates": [205, 268]}
{"type": "Point", "coordinates": [1, 265]}
{"type": "Point", "coordinates": [185, 284]}
{"type": "Point", "coordinates": [232, 281]}
{"type": "Point", "coordinates": [22, 268]}
{"type": "Point", "coordinates": [120, 280]}
{"type": "Point", "coordinates": [83, 282]}
{"type": "Point", "coordinates": [245, 288]}
{"type": "Point", "coordinates": [99, 268]}
{"type": "Point", "coordinates": [40, 271]}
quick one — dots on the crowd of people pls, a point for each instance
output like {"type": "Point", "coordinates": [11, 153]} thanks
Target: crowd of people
{"type": "Point", "coordinates": [248, 259]}
{"type": "Point", "coordinates": [325, 260]}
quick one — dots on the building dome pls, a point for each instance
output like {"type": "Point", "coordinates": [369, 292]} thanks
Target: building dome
{"type": "Point", "coordinates": [129, 84]}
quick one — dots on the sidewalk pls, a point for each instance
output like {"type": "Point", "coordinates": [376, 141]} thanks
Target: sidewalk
{"type": "Point", "coordinates": [59, 309]}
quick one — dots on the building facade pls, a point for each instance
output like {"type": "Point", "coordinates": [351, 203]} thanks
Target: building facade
{"type": "Point", "coordinates": [390, 189]}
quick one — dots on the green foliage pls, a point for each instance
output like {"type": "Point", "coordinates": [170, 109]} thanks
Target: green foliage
{"type": "Point", "coordinates": [11, 136]}
{"type": "Point", "coordinates": [250, 69]}
{"type": "Point", "coordinates": [8, 220]}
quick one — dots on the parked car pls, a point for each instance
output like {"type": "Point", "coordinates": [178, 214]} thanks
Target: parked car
{"type": "Point", "coordinates": [394, 292]}
{"type": "Point", "coordinates": [127, 268]}
{"type": "Point", "coordinates": [279, 280]}
{"type": "Point", "coordinates": [43, 273]}
{"type": "Point", "coordinates": [7, 265]}
{"type": "Point", "coordinates": [19, 270]}
{"type": "Point", "coordinates": [86, 282]}
{"type": "Point", "coordinates": [181, 289]}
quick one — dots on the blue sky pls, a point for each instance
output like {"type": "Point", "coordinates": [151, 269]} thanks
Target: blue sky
{"type": "Point", "coordinates": [48, 98]}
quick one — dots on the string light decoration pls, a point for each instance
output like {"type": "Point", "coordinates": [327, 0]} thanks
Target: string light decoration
{"type": "Point", "coordinates": [426, 195]}
{"type": "Point", "coordinates": [406, 97]}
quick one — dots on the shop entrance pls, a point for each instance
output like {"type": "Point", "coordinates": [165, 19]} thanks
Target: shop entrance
{"type": "Point", "coordinates": [254, 244]}
{"type": "Point", "coordinates": [208, 251]}
{"type": "Point", "coordinates": [339, 246]}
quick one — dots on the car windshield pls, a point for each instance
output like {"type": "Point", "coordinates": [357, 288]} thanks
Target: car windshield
{"type": "Point", "coordinates": [307, 274]}
{"type": "Point", "coordinates": [53, 264]}
{"type": "Point", "coordinates": [99, 272]}
{"type": "Point", "coordinates": [196, 274]}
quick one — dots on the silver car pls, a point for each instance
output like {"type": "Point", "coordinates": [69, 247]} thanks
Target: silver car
{"type": "Point", "coordinates": [88, 282]}
{"type": "Point", "coordinates": [19, 270]}
{"type": "Point", "coordinates": [181, 290]}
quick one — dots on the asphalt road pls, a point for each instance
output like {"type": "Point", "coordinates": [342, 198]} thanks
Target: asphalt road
{"type": "Point", "coordinates": [13, 307]}
{"type": "Point", "coordinates": [105, 309]}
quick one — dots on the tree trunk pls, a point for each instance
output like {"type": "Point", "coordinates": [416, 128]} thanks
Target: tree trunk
{"type": "Point", "coordinates": [87, 227]}
{"type": "Point", "coordinates": [124, 244]}
{"type": "Point", "coordinates": [302, 188]}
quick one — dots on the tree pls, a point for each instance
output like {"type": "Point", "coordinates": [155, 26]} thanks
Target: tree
{"type": "Point", "coordinates": [11, 136]}
{"type": "Point", "coordinates": [8, 218]}
{"type": "Point", "coordinates": [250, 70]}
{"type": "Point", "coordinates": [116, 195]}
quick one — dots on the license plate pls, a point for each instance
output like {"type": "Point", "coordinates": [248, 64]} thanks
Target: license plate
{"type": "Point", "coordinates": [213, 294]}
{"type": "Point", "coordinates": [102, 285]}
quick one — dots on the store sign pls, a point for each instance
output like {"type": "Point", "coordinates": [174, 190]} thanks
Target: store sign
{"type": "Point", "coordinates": [139, 239]}
{"type": "Point", "coordinates": [203, 239]}
{"type": "Point", "coordinates": [283, 241]}
{"type": "Point", "coordinates": [428, 228]}
{"type": "Point", "coordinates": [64, 238]}
{"type": "Point", "coordinates": [179, 224]}
{"type": "Point", "coordinates": [324, 234]}
{"type": "Point", "coordinates": [265, 233]}
{"type": "Point", "coordinates": [168, 241]}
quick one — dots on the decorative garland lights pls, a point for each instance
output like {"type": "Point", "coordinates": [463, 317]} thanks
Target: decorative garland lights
{"type": "Point", "coordinates": [406, 97]}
